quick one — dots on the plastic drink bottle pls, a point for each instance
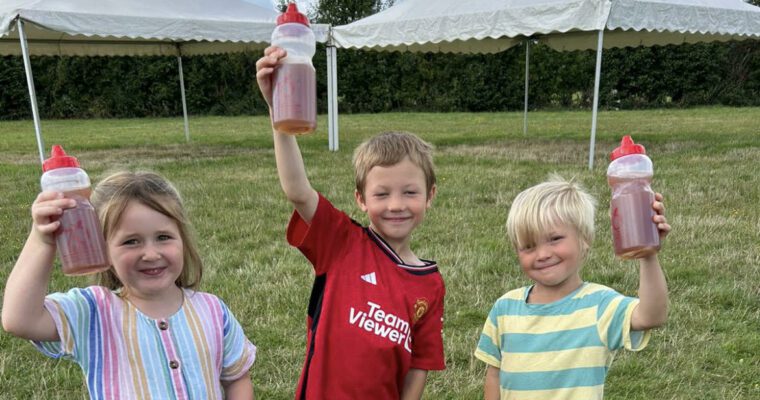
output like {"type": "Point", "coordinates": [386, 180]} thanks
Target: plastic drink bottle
{"type": "Point", "coordinates": [634, 233]}
{"type": "Point", "coordinates": [294, 82]}
{"type": "Point", "coordinates": [80, 242]}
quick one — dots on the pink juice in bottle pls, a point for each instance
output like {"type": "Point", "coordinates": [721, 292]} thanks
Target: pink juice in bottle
{"type": "Point", "coordinates": [630, 209]}
{"type": "Point", "coordinates": [634, 233]}
{"type": "Point", "coordinates": [79, 239]}
{"type": "Point", "coordinates": [294, 81]}
{"type": "Point", "coordinates": [294, 108]}
{"type": "Point", "coordinates": [81, 247]}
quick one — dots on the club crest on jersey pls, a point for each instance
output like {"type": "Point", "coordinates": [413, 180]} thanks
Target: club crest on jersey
{"type": "Point", "coordinates": [420, 308]}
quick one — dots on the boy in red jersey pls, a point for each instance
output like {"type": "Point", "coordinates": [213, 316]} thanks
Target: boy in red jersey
{"type": "Point", "coordinates": [375, 313]}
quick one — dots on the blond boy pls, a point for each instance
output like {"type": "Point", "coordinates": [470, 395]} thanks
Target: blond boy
{"type": "Point", "coordinates": [556, 338]}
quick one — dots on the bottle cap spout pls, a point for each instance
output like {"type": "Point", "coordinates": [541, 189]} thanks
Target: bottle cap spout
{"type": "Point", "coordinates": [292, 15]}
{"type": "Point", "coordinates": [627, 147]}
{"type": "Point", "coordinates": [59, 159]}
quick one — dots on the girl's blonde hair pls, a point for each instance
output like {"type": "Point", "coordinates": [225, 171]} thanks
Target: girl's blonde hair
{"type": "Point", "coordinates": [538, 209]}
{"type": "Point", "coordinates": [111, 197]}
{"type": "Point", "coordinates": [389, 148]}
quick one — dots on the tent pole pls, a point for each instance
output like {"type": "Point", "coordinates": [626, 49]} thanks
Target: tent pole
{"type": "Point", "coordinates": [32, 94]}
{"type": "Point", "coordinates": [330, 126]}
{"type": "Point", "coordinates": [182, 92]}
{"type": "Point", "coordinates": [597, 78]}
{"type": "Point", "coordinates": [527, 68]}
{"type": "Point", "coordinates": [332, 97]}
{"type": "Point", "coordinates": [335, 98]}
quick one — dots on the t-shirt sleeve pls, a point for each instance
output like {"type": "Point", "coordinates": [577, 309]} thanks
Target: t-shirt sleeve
{"type": "Point", "coordinates": [239, 352]}
{"type": "Point", "coordinates": [614, 324]}
{"type": "Point", "coordinates": [427, 337]}
{"type": "Point", "coordinates": [75, 314]}
{"type": "Point", "coordinates": [323, 238]}
{"type": "Point", "coordinates": [489, 344]}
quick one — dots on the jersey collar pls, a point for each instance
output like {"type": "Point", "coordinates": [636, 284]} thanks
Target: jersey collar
{"type": "Point", "coordinates": [427, 267]}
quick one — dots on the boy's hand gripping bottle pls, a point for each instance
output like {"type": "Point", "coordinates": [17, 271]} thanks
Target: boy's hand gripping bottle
{"type": "Point", "coordinates": [80, 242]}
{"type": "Point", "coordinates": [629, 175]}
{"type": "Point", "coordinates": [294, 83]}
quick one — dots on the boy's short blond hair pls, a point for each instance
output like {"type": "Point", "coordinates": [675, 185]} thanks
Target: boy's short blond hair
{"type": "Point", "coordinates": [538, 209]}
{"type": "Point", "coordinates": [389, 148]}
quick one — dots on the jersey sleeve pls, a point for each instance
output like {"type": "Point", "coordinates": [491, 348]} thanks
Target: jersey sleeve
{"type": "Point", "coordinates": [489, 344]}
{"type": "Point", "coordinates": [322, 239]}
{"type": "Point", "coordinates": [614, 323]}
{"type": "Point", "coordinates": [75, 314]}
{"type": "Point", "coordinates": [239, 352]}
{"type": "Point", "coordinates": [427, 339]}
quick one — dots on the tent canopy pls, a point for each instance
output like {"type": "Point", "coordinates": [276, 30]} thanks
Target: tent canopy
{"type": "Point", "coordinates": [137, 27]}
{"type": "Point", "coordinates": [132, 28]}
{"type": "Point", "coordinates": [486, 26]}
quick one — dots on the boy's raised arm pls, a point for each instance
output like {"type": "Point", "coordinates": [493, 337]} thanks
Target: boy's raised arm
{"type": "Point", "coordinates": [24, 314]}
{"type": "Point", "coordinates": [290, 167]}
{"type": "Point", "coordinates": [293, 178]}
{"type": "Point", "coordinates": [652, 311]}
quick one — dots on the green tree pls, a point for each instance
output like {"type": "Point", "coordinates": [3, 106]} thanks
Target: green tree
{"type": "Point", "coordinates": [341, 12]}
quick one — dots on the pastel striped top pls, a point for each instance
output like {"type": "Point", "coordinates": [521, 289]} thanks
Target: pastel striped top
{"type": "Point", "coordinates": [560, 350]}
{"type": "Point", "coordinates": [124, 354]}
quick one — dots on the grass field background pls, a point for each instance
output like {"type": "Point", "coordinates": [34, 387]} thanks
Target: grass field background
{"type": "Point", "coordinates": [707, 164]}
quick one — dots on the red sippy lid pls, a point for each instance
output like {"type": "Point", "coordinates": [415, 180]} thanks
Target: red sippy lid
{"type": "Point", "coordinates": [291, 15]}
{"type": "Point", "coordinates": [627, 147]}
{"type": "Point", "coordinates": [59, 159]}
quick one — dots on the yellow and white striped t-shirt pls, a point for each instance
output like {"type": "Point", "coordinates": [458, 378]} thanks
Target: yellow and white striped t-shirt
{"type": "Point", "coordinates": [560, 350]}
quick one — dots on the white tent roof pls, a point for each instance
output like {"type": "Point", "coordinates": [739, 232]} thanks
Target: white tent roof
{"type": "Point", "coordinates": [488, 26]}
{"type": "Point", "coordinates": [134, 28]}
{"type": "Point", "coordinates": [485, 26]}
{"type": "Point", "coordinates": [137, 27]}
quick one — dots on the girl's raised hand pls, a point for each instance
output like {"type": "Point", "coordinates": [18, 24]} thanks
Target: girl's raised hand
{"type": "Point", "coordinates": [46, 209]}
{"type": "Point", "coordinates": [264, 68]}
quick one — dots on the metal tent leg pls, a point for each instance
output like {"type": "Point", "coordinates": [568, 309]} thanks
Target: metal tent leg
{"type": "Point", "coordinates": [32, 94]}
{"type": "Point", "coordinates": [182, 92]}
{"type": "Point", "coordinates": [597, 78]}
{"type": "Point", "coordinates": [332, 97]}
{"type": "Point", "coordinates": [527, 69]}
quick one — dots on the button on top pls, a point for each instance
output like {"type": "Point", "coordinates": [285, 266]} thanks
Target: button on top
{"type": "Point", "coordinates": [173, 364]}
{"type": "Point", "coordinates": [163, 325]}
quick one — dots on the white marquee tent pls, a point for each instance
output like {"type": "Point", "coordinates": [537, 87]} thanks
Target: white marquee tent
{"type": "Point", "coordinates": [134, 28]}
{"type": "Point", "coordinates": [487, 26]}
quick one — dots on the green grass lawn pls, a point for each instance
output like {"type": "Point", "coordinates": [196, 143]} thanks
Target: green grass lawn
{"type": "Point", "coordinates": [707, 164]}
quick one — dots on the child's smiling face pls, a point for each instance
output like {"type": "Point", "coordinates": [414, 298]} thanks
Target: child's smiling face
{"type": "Point", "coordinates": [554, 262]}
{"type": "Point", "coordinates": [146, 251]}
{"type": "Point", "coordinates": [395, 200]}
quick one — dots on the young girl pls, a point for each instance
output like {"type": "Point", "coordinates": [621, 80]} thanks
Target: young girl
{"type": "Point", "coordinates": [145, 332]}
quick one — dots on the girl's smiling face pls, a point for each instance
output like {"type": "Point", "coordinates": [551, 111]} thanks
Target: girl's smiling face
{"type": "Point", "coordinates": [146, 251]}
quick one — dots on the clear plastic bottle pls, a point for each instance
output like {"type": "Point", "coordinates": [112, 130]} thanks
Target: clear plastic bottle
{"type": "Point", "coordinates": [294, 82]}
{"type": "Point", "coordinates": [634, 233]}
{"type": "Point", "coordinates": [80, 242]}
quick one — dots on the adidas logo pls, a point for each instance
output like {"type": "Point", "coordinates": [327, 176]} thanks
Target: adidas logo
{"type": "Point", "coordinates": [370, 278]}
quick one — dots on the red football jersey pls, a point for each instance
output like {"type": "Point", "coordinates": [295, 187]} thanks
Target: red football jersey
{"type": "Point", "coordinates": [371, 317]}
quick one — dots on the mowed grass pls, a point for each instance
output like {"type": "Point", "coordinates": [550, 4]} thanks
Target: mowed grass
{"type": "Point", "coordinates": [706, 164]}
